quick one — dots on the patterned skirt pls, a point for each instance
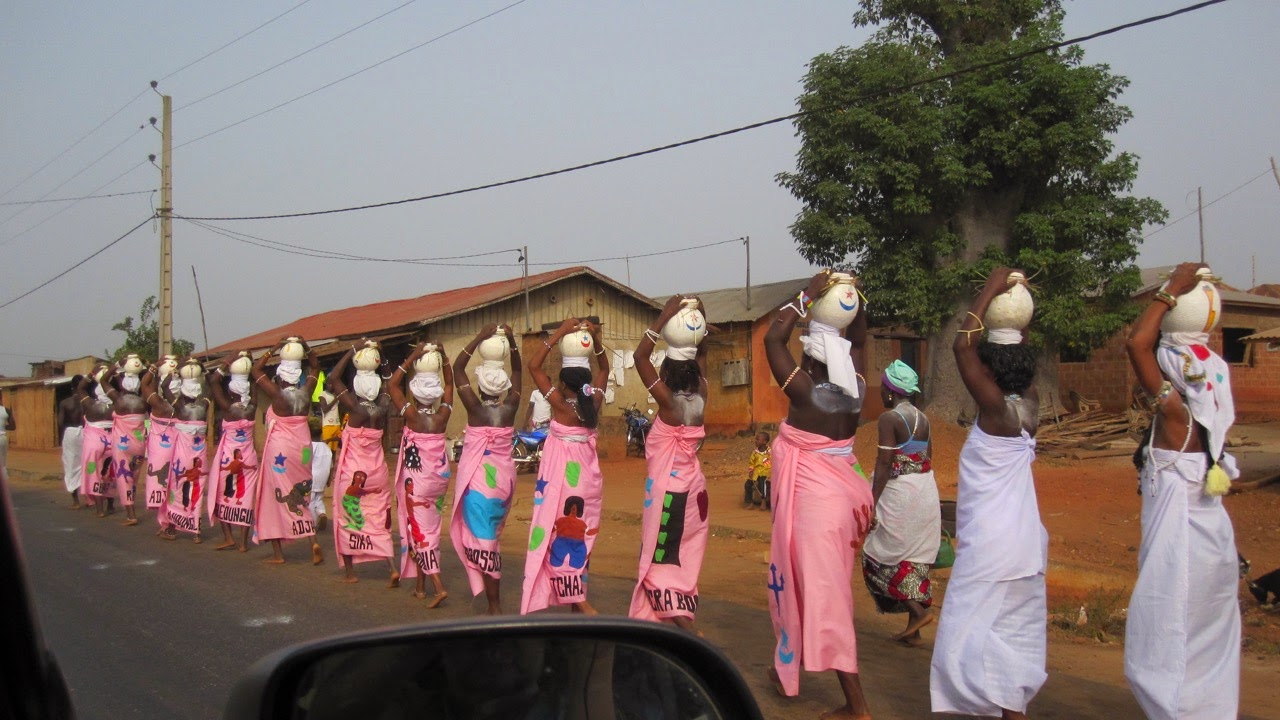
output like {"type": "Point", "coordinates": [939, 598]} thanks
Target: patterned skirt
{"type": "Point", "coordinates": [890, 585]}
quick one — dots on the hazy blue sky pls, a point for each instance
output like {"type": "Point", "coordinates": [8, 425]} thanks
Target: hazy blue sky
{"type": "Point", "coordinates": [544, 84]}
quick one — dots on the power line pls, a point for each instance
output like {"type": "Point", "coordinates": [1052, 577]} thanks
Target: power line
{"type": "Point", "coordinates": [72, 204]}
{"type": "Point", "coordinates": [220, 48]}
{"type": "Point", "coordinates": [98, 252]}
{"type": "Point", "coordinates": [348, 77]}
{"type": "Point", "coordinates": [1224, 196]}
{"type": "Point", "coordinates": [716, 135]}
{"type": "Point", "coordinates": [80, 172]}
{"type": "Point", "coordinates": [286, 61]}
{"type": "Point", "coordinates": [76, 199]}
{"type": "Point", "coordinates": [642, 255]}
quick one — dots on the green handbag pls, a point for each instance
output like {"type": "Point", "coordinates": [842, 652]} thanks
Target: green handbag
{"type": "Point", "coordinates": [946, 552]}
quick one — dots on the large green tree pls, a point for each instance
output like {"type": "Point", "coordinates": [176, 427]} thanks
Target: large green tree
{"type": "Point", "coordinates": [143, 338]}
{"type": "Point", "coordinates": [922, 191]}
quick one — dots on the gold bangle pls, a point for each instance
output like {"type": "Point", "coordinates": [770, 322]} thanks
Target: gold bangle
{"type": "Point", "coordinates": [1166, 298]}
{"type": "Point", "coordinates": [790, 377]}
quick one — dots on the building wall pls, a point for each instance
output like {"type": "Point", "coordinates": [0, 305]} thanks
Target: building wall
{"type": "Point", "coordinates": [1105, 377]}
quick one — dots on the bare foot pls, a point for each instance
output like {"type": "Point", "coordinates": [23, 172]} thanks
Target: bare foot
{"type": "Point", "coordinates": [197, 540]}
{"type": "Point", "coordinates": [316, 556]}
{"type": "Point", "coordinates": [394, 582]}
{"type": "Point", "coordinates": [274, 561]}
{"type": "Point", "coordinates": [130, 522]}
{"type": "Point", "coordinates": [101, 514]}
{"type": "Point", "coordinates": [913, 627]}
{"type": "Point", "coordinates": [437, 599]}
{"type": "Point", "coordinates": [74, 506]}
{"type": "Point", "coordinates": [322, 522]}
{"type": "Point", "coordinates": [911, 640]}
{"type": "Point", "coordinates": [168, 535]}
{"type": "Point", "coordinates": [585, 608]}
{"type": "Point", "coordinates": [349, 579]}
{"type": "Point", "coordinates": [242, 548]}
{"type": "Point", "coordinates": [772, 674]}
{"type": "Point", "coordinates": [225, 544]}
{"type": "Point", "coordinates": [419, 594]}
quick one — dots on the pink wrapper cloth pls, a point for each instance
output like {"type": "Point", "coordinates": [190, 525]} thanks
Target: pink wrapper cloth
{"type": "Point", "coordinates": [160, 443]}
{"type": "Point", "coordinates": [284, 485]}
{"type": "Point", "coordinates": [673, 526]}
{"type": "Point", "coordinates": [821, 513]}
{"type": "Point", "coordinates": [128, 443]}
{"type": "Point", "coordinates": [421, 482]}
{"type": "Point", "coordinates": [235, 485]}
{"type": "Point", "coordinates": [188, 475]}
{"type": "Point", "coordinates": [362, 498]}
{"type": "Point", "coordinates": [566, 519]}
{"type": "Point", "coordinates": [98, 470]}
{"type": "Point", "coordinates": [481, 498]}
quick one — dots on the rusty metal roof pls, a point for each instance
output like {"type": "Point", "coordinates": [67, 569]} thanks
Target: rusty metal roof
{"type": "Point", "coordinates": [411, 313]}
{"type": "Point", "coordinates": [729, 305]}
{"type": "Point", "coordinates": [1272, 335]}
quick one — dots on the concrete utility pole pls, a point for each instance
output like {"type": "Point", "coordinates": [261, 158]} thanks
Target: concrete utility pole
{"type": "Point", "coordinates": [1274, 171]}
{"type": "Point", "coordinates": [746, 241]}
{"type": "Point", "coordinates": [524, 258]}
{"type": "Point", "coordinates": [166, 225]}
{"type": "Point", "coordinates": [1200, 212]}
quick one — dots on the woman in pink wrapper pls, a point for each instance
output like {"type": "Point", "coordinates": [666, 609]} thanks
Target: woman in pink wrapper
{"type": "Point", "coordinates": [361, 484]}
{"type": "Point", "coordinates": [128, 434]}
{"type": "Point", "coordinates": [422, 477]}
{"type": "Point", "coordinates": [97, 469]}
{"type": "Point", "coordinates": [570, 488]}
{"type": "Point", "coordinates": [188, 474]}
{"type": "Point", "coordinates": [160, 443]}
{"type": "Point", "coordinates": [235, 466]}
{"type": "Point", "coordinates": [486, 473]}
{"type": "Point", "coordinates": [821, 501]}
{"type": "Point", "coordinates": [674, 523]}
{"type": "Point", "coordinates": [281, 509]}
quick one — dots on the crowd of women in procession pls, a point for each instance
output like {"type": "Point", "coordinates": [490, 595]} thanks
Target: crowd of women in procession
{"type": "Point", "coordinates": [150, 425]}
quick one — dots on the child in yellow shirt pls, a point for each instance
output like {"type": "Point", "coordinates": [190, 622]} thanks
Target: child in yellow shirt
{"type": "Point", "coordinates": [755, 492]}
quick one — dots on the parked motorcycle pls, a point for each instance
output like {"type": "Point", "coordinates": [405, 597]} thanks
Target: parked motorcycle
{"type": "Point", "coordinates": [526, 450]}
{"type": "Point", "coordinates": [638, 425]}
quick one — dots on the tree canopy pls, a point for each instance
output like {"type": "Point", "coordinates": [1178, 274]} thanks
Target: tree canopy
{"type": "Point", "coordinates": [922, 191]}
{"type": "Point", "coordinates": [144, 337]}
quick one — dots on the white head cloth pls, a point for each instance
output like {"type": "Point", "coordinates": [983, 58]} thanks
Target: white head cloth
{"type": "Point", "coordinates": [290, 371]}
{"type": "Point", "coordinates": [190, 387]}
{"type": "Point", "coordinates": [426, 388]}
{"type": "Point", "coordinates": [101, 395]}
{"type": "Point", "coordinates": [367, 385]}
{"type": "Point", "coordinates": [1004, 336]}
{"type": "Point", "coordinates": [1202, 377]}
{"type": "Point", "coordinates": [575, 361]}
{"type": "Point", "coordinates": [824, 344]}
{"type": "Point", "coordinates": [130, 383]}
{"type": "Point", "coordinates": [240, 386]}
{"type": "Point", "coordinates": [492, 378]}
{"type": "Point", "coordinates": [684, 353]}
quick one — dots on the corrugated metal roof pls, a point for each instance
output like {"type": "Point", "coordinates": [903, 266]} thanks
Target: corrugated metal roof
{"type": "Point", "coordinates": [729, 305]}
{"type": "Point", "coordinates": [1266, 289]}
{"type": "Point", "coordinates": [392, 315]}
{"type": "Point", "coordinates": [1272, 335]}
{"type": "Point", "coordinates": [1153, 278]}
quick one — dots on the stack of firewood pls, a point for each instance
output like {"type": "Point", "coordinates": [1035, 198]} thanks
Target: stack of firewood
{"type": "Point", "coordinates": [1091, 434]}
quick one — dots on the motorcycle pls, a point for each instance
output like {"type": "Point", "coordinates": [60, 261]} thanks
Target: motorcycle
{"type": "Point", "coordinates": [638, 425]}
{"type": "Point", "coordinates": [526, 450]}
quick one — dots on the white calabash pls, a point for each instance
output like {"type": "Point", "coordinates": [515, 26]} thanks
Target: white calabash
{"type": "Point", "coordinates": [577, 344]}
{"type": "Point", "coordinates": [367, 358]}
{"type": "Point", "coordinates": [430, 362]}
{"type": "Point", "coordinates": [1013, 308]}
{"type": "Point", "coordinates": [191, 371]}
{"type": "Point", "coordinates": [686, 328]}
{"type": "Point", "coordinates": [1199, 311]}
{"type": "Point", "coordinates": [292, 350]}
{"type": "Point", "coordinates": [242, 364]}
{"type": "Point", "coordinates": [169, 365]}
{"type": "Point", "coordinates": [133, 365]}
{"type": "Point", "coordinates": [838, 306]}
{"type": "Point", "coordinates": [494, 348]}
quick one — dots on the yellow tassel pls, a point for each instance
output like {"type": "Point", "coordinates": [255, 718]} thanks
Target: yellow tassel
{"type": "Point", "coordinates": [1217, 483]}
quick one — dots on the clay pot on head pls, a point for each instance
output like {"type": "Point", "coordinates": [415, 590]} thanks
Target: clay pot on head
{"type": "Point", "coordinates": [430, 362]}
{"type": "Point", "coordinates": [1013, 308]}
{"type": "Point", "coordinates": [839, 303]}
{"type": "Point", "coordinates": [687, 327]}
{"type": "Point", "coordinates": [293, 349]}
{"type": "Point", "coordinates": [577, 343]}
{"type": "Point", "coordinates": [494, 349]}
{"type": "Point", "coordinates": [1198, 311]}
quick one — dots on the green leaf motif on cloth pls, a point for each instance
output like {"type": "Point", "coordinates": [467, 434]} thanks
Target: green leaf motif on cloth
{"type": "Point", "coordinates": [490, 476]}
{"type": "Point", "coordinates": [572, 471]}
{"type": "Point", "coordinates": [306, 454]}
{"type": "Point", "coordinates": [536, 537]}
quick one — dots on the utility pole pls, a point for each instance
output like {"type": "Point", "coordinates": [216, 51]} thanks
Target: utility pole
{"type": "Point", "coordinates": [1200, 212]}
{"type": "Point", "coordinates": [1274, 171]}
{"type": "Point", "coordinates": [200, 303]}
{"type": "Point", "coordinates": [746, 241]}
{"type": "Point", "coordinates": [166, 223]}
{"type": "Point", "coordinates": [524, 258]}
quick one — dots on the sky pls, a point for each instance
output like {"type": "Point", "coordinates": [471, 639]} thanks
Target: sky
{"type": "Point", "coordinates": [535, 86]}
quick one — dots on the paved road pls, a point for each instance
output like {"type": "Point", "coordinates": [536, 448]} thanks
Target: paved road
{"type": "Point", "coordinates": [150, 629]}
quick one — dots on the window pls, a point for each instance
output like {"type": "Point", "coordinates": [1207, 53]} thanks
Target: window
{"type": "Point", "coordinates": [1234, 351]}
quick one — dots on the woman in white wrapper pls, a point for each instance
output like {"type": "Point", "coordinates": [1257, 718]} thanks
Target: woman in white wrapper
{"type": "Point", "coordinates": [989, 656]}
{"type": "Point", "coordinates": [1182, 636]}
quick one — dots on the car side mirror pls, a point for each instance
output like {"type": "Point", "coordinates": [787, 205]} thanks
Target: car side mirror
{"type": "Point", "coordinates": [536, 668]}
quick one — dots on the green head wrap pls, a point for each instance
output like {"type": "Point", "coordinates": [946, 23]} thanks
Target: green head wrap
{"type": "Point", "coordinates": [900, 378]}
